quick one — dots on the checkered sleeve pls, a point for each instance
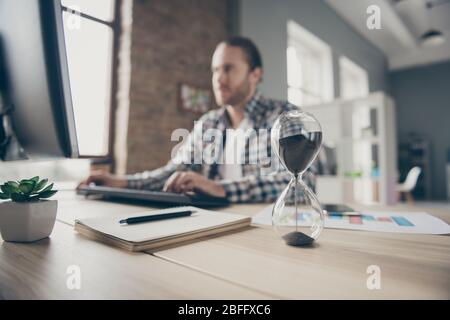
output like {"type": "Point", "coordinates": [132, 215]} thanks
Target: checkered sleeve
{"type": "Point", "coordinates": [262, 188]}
{"type": "Point", "coordinates": [183, 159]}
{"type": "Point", "coordinates": [151, 180]}
{"type": "Point", "coordinates": [155, 179]}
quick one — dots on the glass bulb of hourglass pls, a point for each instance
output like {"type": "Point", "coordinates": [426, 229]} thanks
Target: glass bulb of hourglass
{"type": "Point", "coordinates": [297, 216]}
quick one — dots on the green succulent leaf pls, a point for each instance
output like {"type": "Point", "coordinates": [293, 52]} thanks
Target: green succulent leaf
{"type": "Point", "coordinates": [13, 184]}
{"type": "Point", "coordinates": [5, 189]}
{"type": "Point", "coordinates": [35, 179]}
{"type": "Point", "coordinates": [48, 188]}
{"type": "Point", "coordinates": [18, 197]}
{"type": "Point", "coordinates": [4, 196]}
{"type": "Point", "coordinates": [27, 186]}
{"type": "Point", "coordinates": [47, 194]}
{"type": "Point", "coordinates": [33, 198]}
{"type": "Point", "coordinates": [9, 188]}
{"type": "Point", "coordinates": [26, 190]}
{"type": "Point", "coordinates": [40, 185]}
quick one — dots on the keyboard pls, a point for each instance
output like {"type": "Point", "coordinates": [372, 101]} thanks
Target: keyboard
{"type": "Point", "coordinates": [156, 197]}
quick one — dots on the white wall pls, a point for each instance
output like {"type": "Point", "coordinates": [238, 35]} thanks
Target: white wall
{"type": "Point", "coordinates": [265, 21]}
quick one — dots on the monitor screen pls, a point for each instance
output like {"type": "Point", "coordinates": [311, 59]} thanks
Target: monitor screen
{"type": "Point", "coordinates": [37, 111]}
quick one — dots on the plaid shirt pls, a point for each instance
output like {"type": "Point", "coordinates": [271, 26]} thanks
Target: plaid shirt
{"type": "Point", "coordinates": [263, 178]}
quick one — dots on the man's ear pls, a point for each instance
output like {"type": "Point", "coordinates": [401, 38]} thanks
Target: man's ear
{"type": "Point", "coordinates": [257, 75]}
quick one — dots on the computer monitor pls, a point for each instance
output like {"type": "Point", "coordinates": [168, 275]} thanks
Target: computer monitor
{"type": "Point", "coordinates": [34, 82]}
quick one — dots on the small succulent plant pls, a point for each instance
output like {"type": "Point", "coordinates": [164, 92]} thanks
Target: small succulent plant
{"type": "Point", "coordinates": [27, 190]}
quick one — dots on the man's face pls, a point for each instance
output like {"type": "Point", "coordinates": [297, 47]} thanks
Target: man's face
{"type": "Point", "coordinates": [232, 80]}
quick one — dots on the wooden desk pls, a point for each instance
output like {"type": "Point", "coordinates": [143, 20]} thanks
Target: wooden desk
{"type": "Point", "coordinates": [251, 264]}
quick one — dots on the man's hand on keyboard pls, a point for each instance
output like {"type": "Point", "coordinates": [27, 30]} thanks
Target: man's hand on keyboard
{"type": "Point", "coordinates": [104, 179]}
{"type": "Point", "coordinates": [192, 181]}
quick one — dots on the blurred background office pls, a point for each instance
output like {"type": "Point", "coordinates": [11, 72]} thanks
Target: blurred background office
{"type": "Point", "coordinates": [380, 88]}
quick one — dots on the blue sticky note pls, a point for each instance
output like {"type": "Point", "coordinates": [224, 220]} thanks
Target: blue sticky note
{"type": "Point", "coordinates": [403, 222]}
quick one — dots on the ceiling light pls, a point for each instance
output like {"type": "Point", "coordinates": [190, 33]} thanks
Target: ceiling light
{"type": "Point", "coordinates": [432, 38]}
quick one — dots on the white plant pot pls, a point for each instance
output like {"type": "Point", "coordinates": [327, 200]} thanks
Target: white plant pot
{"type": "Point", "coordinates": [27, 222]}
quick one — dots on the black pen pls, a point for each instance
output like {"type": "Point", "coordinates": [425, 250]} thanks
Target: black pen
{"type": "Point", "coordinates": [156, 217]}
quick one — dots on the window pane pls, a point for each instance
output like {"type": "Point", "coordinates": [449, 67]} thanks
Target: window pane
{"type": "Point", "coordinates": [89, 53]}
{"type": "Point", "coordinates": [101, 9]}
{"type": "Point", "coordinates": [354, 79]}
{"type": "Point", "coordinates": [312, 57]}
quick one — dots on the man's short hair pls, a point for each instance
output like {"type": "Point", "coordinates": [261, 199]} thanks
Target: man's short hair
{"type": "Point", "coordinates": [250, 49]}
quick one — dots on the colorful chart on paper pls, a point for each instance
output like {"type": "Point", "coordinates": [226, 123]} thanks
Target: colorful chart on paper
{"type": "Point", "coordinates": [402, 222]}
{"type": "Point", "coordinates": [364, 218]}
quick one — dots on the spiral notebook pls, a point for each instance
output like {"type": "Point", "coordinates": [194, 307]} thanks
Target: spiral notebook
{"type": "Point", "coordinates": [154, 235]}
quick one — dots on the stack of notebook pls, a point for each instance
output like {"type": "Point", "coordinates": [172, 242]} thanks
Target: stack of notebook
{"type": "Point", "coordinates": [156, 234]}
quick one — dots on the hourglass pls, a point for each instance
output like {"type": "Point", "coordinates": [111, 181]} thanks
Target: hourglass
{"type": "Point", "coordinates": [297, 216]}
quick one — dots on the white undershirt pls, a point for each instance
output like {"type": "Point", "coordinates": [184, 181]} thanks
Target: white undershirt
{"type": "Point", "coordinates": [231, 169]}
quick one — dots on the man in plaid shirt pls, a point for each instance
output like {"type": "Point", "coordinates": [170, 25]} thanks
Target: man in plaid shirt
{"type": "Point", "coordinates": [253, 174]}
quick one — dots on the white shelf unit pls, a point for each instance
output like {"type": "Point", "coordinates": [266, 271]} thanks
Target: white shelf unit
{"type": "Point", "coordinates": [363, 133]}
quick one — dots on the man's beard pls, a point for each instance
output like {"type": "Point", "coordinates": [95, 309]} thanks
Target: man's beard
{"type": "Point", "coordinates": [240, 95]}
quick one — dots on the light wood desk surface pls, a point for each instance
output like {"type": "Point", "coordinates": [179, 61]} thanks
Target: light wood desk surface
{"type": "Point", "coordinates": [251, 264]}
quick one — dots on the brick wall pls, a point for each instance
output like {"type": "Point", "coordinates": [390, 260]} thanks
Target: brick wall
{"type": "Point", "coordinates": [172, 42]}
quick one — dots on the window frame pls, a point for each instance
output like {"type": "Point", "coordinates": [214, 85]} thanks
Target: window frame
{"type": "Point", "coordinates": [348, 65]}
{"type": "Point", "coordinates": [300, 39]}
{"type": "Point", "coordinates": [115, 25]}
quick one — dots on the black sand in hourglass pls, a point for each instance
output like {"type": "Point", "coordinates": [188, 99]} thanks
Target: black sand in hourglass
{"type": "Point", "coordinates": [297, 152]}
